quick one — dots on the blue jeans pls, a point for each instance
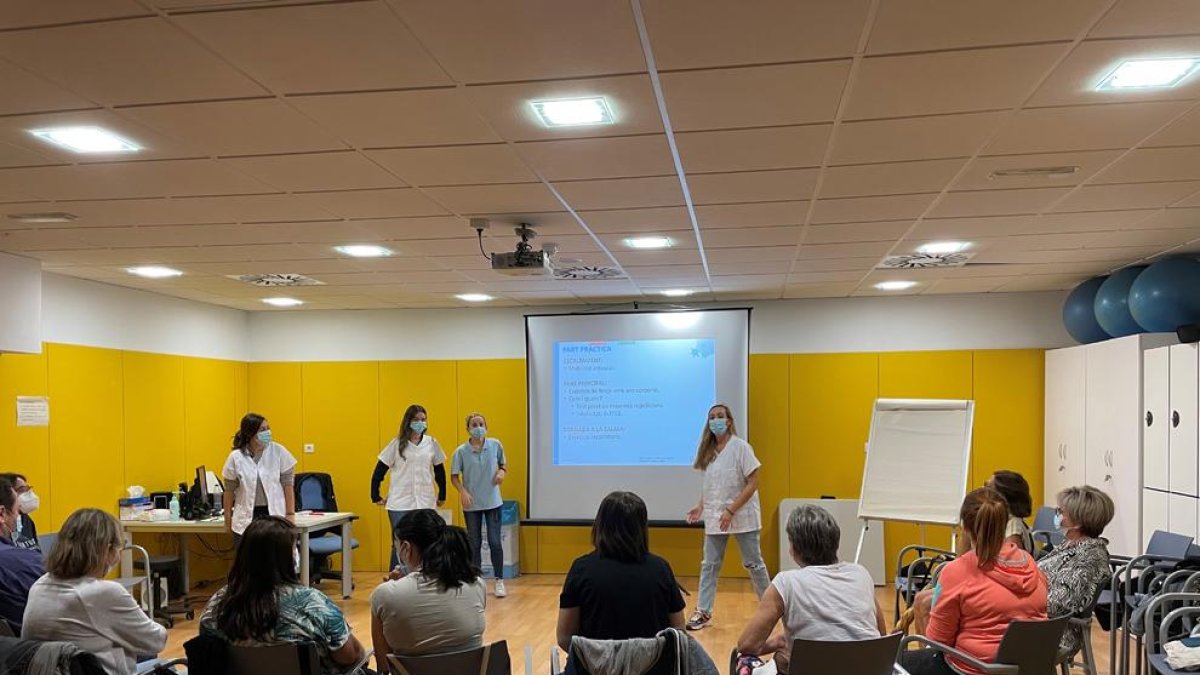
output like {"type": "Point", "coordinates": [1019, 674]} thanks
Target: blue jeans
{"type": "Point", "coordinates": [393, 518]}
{"type": "Point", "coordinates": [714, 555]}
{"type": "Point", "coordinates": [475, 521]}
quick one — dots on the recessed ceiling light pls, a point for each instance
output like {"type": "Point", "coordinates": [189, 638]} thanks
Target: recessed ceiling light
{"type": "Point", "coordinates": [677, 292]}
{"type": "Point", "coordinates": [154, 272]}
{"type": "Point", "coordinates": [283, 302]}
{"type": "Point", "coordinates": [49, 217]}
{"type": "Point", "coordinates": [1141, 73]}
{"type": "Point", "coordinates": [943, 247]}
{"type": "Point", "coordinates": [573, 112]}
{"type": "Point", "coordinates": [86, 139]}
{"type": "Point", "coordinates": [474, 297]}
{"type": "Point", "coordinates": [363, 251]}
{"type": "Point", "coordinates": [648, 242]}
{"type": "Point", "coordinates": [895, 285]}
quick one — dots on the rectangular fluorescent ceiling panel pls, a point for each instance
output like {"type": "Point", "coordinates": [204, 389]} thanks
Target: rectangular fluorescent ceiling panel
{"type": "Point", "coordinates": [86, 140]}
{"type": "Point", "coordinates": [573, 112]}
{"type": "Point", "coordinates": [1146, 73]}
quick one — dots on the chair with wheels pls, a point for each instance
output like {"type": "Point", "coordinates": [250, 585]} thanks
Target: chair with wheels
{"type": "Point", "coordinates": [314, 492]}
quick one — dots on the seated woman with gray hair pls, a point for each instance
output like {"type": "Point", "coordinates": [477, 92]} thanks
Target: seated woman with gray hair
{"type": "Point", "coordinates": [824, 599]}
{"type": "Point", "coordinates": [1077, 568]}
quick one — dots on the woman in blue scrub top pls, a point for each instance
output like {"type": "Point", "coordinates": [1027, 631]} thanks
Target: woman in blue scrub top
{"type": "Point", "coordinates": [477, 472]}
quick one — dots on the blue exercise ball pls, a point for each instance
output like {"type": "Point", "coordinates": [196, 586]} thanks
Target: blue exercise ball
{"type": "Point", "coordinates": [1166, 295]}
{"type": "Point", "coordinates": [1112, 303]}
{"type": "Point", "coordinates": [1079, 312]}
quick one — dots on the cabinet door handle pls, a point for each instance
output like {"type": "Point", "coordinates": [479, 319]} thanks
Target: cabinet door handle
{"type": "Point", "coordinates": [1175, 418]}
{"type": "Point", "coordinates": [1149, 418]}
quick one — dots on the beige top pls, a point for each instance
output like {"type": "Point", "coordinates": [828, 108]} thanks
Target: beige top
{"type": "Point", "coordinates": [419, 618]}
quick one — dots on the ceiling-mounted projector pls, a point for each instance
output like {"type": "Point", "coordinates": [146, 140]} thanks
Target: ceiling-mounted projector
{"type": "Point", "coordinates": [524, 261]}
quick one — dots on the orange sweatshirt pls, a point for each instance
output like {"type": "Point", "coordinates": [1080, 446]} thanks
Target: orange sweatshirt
{"type": "Point", "coordinates": [973, 605]}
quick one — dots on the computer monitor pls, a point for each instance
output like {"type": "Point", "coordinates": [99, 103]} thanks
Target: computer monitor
{"type": "Point", "coordinates": [202, 483]}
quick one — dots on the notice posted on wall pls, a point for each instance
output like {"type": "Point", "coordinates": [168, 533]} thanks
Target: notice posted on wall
{"type": "Point", "coordinates": [632, 402]}
{"type": "Point", "coordinates": [33, 411]}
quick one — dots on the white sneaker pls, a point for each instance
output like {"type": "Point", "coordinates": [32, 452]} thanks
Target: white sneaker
{"type": "Point", "coordinates": [500, 591]}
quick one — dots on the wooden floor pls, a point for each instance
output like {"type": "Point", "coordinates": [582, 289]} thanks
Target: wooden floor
{"type": "Point", "coordinates": [526, 618]}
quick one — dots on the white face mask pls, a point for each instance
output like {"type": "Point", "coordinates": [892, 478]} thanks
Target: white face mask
{"type": "Point", "coordinates": [28, 502]}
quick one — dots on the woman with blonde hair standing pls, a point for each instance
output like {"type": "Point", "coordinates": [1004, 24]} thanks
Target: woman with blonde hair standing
{"type": "Point", "coordinates": [728, 506]}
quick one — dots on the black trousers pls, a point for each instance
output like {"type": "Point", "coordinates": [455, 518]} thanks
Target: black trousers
{"type": "Point", "coordinates": [925, 662]}
{"type": "Point", "coordinates": [260, 512]}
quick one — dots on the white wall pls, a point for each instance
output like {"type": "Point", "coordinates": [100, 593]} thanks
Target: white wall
{"type": "Point", "coordinates": [79, 312]}
{"type": "Point", "coordinates": [994, 321]}
{"type": "Point", "coordinates": [20, 304]}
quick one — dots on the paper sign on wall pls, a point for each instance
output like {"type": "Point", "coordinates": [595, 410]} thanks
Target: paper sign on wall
{"type": "Point", "coordinates": [33, 411]}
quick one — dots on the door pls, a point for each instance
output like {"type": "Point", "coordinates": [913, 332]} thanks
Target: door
{"type": "Point", "coordinates": [1183, 427]}
{"type": "Point", "coordinates": [1064, 427]}
{"type": "Point", "coordinates": [1181, 514]}
{"type": "Point", "coordinates": [1154, 515]}
{"type": "Point", "coordinates": [1113, 435]}
{"type": "Point", "coordinates": [1156, 422]}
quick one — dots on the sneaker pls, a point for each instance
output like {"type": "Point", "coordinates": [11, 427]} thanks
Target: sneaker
{"type": "Point", "coordinates": [699, 620]}
{"type": "Point", "coordinates": [500, 591]}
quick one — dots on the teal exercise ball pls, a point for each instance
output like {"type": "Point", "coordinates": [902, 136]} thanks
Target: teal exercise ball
{"type": "Point", "coordinates": [1166, 295]}
{"type": "Point", "coordinates": [1112, 303]}
{"type": "Point", "coordinates": [1079, 312]}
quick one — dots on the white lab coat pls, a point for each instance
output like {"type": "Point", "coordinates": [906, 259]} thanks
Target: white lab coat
{"type": "Point", "coordinates": [724, 480]}
{"type": "Point", "coordinates": [275, 460]}
{"type": "Point", "coordinates": [412, 475]}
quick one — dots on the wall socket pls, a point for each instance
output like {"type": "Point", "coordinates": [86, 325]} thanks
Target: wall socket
{"type": "Point", "coordinates": [309, 448]}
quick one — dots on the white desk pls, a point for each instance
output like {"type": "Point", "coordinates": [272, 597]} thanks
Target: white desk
{"type": "Point", "coordinates": [305, 524]}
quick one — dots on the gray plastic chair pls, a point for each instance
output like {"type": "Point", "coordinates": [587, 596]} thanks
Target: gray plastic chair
{"type": "Point", "coordinates": [862, 657]}
{"type": "Point", "coordinates": [486, 660]}
{"type": "Point", "coordinates": [1028, 648]}
{"type": "Point", "coordinates": [285, 659]}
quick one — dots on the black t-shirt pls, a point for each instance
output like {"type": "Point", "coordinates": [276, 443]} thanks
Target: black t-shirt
{"type": "Point", "coordinates": [619, 600]}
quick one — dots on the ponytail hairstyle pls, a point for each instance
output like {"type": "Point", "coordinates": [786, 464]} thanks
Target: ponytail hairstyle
{"type": "Point", "coordinates": [984, 516]}
{"type": "Point", "coordinates": [403, 435]}
{"type": "Point", "coordinates": [246, 432]}
{"type": "Point", "coordinates": [707, 451]}
{"type": "Point", "coordinates": [445, 553]}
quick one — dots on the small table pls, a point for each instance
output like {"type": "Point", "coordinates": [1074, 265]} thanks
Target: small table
{"type": "Point", "coordinates": [305, 524]}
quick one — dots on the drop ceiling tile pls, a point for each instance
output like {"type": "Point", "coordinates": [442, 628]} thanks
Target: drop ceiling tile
{"type": "Point", "coordinates": [1074, 80]}
{"type": "Point", "coordinates": [843, 251]}
{"type": "Point", "coordinates": [748, 282]}
{"type": "Point", "coordinates": [827, 277]}
{"type": "Point", "coordinates": [32, 13]}
{"type": "Point", "coordinates": [1184, 131]}
{"type": "Point", "coordinates": [154, 144]}
{"type": "Point", "coordinates": [24, 241]}
{"type": "Point", "coordinates": [458, 165]}
{"type": "Point", "coordinates": [969, 228]}
{"type": "Point", "coordinates": [978, 175]}
{"type": "Point", "coordinates": [400, 229]}
{"type": "Point", "coordinates": [622, 193]}
{"type": "Point", "coordinates": [1148, 238]}
{"type": "Point", "coordinates": [655, 276]}
{"type": "Point", "coordinates": [541, 39]}
{"type": "Point", "coordinates": [884, 230]}
{"type": "Point", "coordinates": [637, 220]}
{"type": "Point", "coordinates": [725, 270]}
{"type": "Point", "coordinates": [818, 290]}
{"type": "Point", "coordinates": [863, 209]}
{"type": "Point", "coordinates": [584, 158]}
{"type": "Point", "coordinates": [926, 25]}
{"type": "Point", "coordinates": [754, 237]}
{"type": "Point", "coordinates": [751, 215]}
{"type": "Point", "coordinates": [1140, 18]}
{"type": "Point", "coordinates": [631, 259]}
{"type": "Point", "coordinates": [680, 240]}
{"type": "Point", "coordinates": [333, 47]}
{"type": "Point", "coordinates": [326, 232]}
{"type": "Point", "coordinates": [753, 149]}
{"type": "Point", "coordinates": [314, 268]}
{"type": "Point", "coordinates": [1132, 196]}
{"type": "Point", "coordinates": [180, 211]}
{"type": "Point", "coordinates": [126, 62]}
{"type": "Point", "coordinates": [752, 186]}
{"type": "Point", "coordinates": [1042, 282]}
{"type": "Point", "coordinates": [913, 138]}
{"type": "Point", "coordinates": [174, 254]}
{"type": "Point", "coordinates": [755, 96]}
{"type": "Point", "coordinates": [507, 107]}
{"type": "Point", "coordinates": [485, 199]}
{"type": "Point", "coordinates": [132, 180]}
{"type": "Point", "coordinates": [925, 84]}
{"type": "Point", "coordinates": [889, 179]}
{"type": "Point", "coordinates": [810, 266]}
{"type": "Point", "coordinates": [248, 127]}
{"type": "Point", "coordinates": [316, 171]}
{"type": "Point", "coordinates": [1168, 218]}
{"type": "Point", "coordinates": [955, 286]}
{"type": "Point", "coordinates": [996, 202]}
{"type": "Point", "coordinates": [1193, 200]}
{"type": "Point", "coordinates": [398, 118]}
{"type": "Point", "coordinates": [751, 254]}
{"type": "Point", "coordinates": [373, 203]}
{"type": "Point", "coordinates": [13, 156]}
{"type": "Point", "coordinates": [1155, 165]}
{"type": "Point", "coordinates": [1091, 127]}
{"type": "Point", "coordinates": [996, 226]}
{"type": "Point", "coordinates": [1059, 268]}
{"type": "Point", "coordinates": [24, 92]}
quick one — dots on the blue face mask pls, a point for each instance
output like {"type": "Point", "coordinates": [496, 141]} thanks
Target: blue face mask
{"type": "Point", "coordinates": [718, 425]}
{"type": "Point", "coordinates": [478, 432]}
{"type": "Point", "coordinates": [418, 426]}
{"type": "Point", "coordinates": [264, 437]}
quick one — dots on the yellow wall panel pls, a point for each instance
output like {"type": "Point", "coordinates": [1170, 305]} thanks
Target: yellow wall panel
{"type": "Point", "coordinates": [340, 418]}
{"type": "Point", "coordinates": [529, 550]}
{"type": "Point", "coordinates": [1009, 417]}
{"type": "Point", "coordinates": [26, 450]}
{"type": "Point", "coordinates": [683, 548]}
{"type": "Point", "coordinates": [87, 444]}
{"type": "Point", "coordinates": [497, 389]}
{"type": "Point", "coordinates": [770, 435]}
{"type": "Point", "coordinates": [831, 400]}
{"type": "Point", "coordinates": [558, 547]}
{"type": "Point", "coordinates": [212, 410]}
{"type": "Point", "coordinates": [274, 390]}
{"type": "Point", "coordinates": [155, 424]}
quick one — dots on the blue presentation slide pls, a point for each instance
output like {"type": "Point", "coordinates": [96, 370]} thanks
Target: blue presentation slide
{"type": "Point", "coordinates": [631, 403]}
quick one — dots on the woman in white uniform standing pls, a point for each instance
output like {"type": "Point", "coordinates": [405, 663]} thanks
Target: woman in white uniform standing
{"type": "Point", "coordinates": [413, 458]}
{"type": "Point", "coordinates": [259, 475]}
{"type": "Point", "coordinates": [728, 506]}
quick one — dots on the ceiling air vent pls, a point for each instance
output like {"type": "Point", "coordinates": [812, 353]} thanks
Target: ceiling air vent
{"type": "Point", "coordinates": [276, 280]}
{"type": "Point", "coordinates": [588, 273]}
{"type": "Point", "coordinates": [923, 260]}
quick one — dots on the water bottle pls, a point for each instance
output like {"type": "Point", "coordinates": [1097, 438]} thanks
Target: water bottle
{"type": "Point", "coordinates": [175, 506]}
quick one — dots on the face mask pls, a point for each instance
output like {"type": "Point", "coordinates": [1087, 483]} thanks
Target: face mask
{"type": "Point", "coordinates": [718, 425]}
{"type": "Point", "coordinates": [29, 502]}
{"type": "Point", "coordinates": [1058, 524]}
{"type": "Point", "coordinates": [418, 426]}
{"type": "Point", "coordinates": [20, 523]}
{"type": "Point", "coordinates": [478, 432]}
{"type": "Point", "coordinates": [296, 560]}
{"type": "Point", "coordinates": [264, 437]}
{"type": "Point", "coordinates": [404, 568]}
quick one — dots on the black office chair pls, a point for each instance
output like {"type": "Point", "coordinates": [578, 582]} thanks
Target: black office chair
{"type": "Point", "coordinates": [314, 492]}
